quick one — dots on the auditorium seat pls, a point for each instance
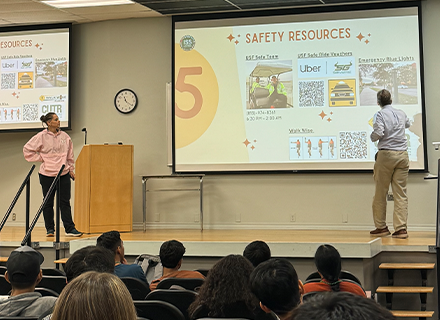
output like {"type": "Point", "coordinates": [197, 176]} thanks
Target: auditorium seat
{"type": "Point", "coordinates": [181, 299]}
{"type": "Point", "coordinates": [137, 288]}
{"type": "Point", "coordinates": [53, 272]}
{"type": "Point", "coordinates": [5, 286]}
{"type": "Point", "coordinates": [56, 283]}
{"type": "Point", "coordinates": [188, 283]}
{"type": "Point", "coordinates": [45, 292]}
{"type": "Point", "coordinates": [157, 310]}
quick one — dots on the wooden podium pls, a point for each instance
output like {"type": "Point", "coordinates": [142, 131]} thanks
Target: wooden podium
{"type": "Point", "coordinates": [104, 188]}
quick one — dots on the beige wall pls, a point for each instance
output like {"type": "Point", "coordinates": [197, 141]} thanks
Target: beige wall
{"type": "Point", "coordinates": [136, 53]}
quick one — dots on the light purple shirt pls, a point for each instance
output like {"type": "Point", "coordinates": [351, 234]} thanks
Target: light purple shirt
{"type": "Point", "coordinates": [389, 128]}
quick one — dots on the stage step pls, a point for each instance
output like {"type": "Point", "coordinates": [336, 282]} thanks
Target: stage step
{"type": "Point", "coordinates": [398, 289]}
{"type": "Point", "coordinates": [407, 266]}
{"type": "Point", "coordinates": [412, 314]}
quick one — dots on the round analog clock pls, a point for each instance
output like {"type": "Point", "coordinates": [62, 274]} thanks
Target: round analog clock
{"type": "Point", "coordinates": [126, 101]}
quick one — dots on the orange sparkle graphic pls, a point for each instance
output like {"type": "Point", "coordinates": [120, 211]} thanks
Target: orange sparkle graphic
{"type": "Point", "coordinates": [246, 142]}
{"type": "Point", "coordinates": [252, 147]}
{"type": "Point", "coordinates": [329, 119]}
{"type": "Point", "coordinates": [322, 114]}
{"type": "Point", "coordinates": [230, 37]}
{"type": "Point", "coordinates": [367, 42]}
{"type": "Point", "coordinates": [13, 93]}
{"type": "Point", "coordinates": [360, 37]}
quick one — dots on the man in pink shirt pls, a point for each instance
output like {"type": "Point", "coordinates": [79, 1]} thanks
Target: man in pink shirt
{"type": "Point", "coordinates": [54, 148]}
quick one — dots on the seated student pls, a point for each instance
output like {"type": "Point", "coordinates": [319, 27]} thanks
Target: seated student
{"type": "Point", "coordinates": [341, 306]}
{"type": "Point", "coordinates": [328, 263]}
{"type": "Point", "coordinates": [226, 292]}
{"type": "Point", "coordinates": [23, 272]}
{"type": "Point", "coordinates": [95, 296]}
{"type": "Point", "coordinates": [257, 252]}
{"type": "Point", "coordinates": [112, 241]}
{"type": "Point", "coordinates": [275, 283]}
{"type": "Point", "coordinates": [171, 255]}
{"type": "Point", "coordinates": [91, 258]}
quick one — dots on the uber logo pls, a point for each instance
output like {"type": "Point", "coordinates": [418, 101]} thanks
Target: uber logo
{"type": "Point", "coordinates": [312, 68]}
{"type": "Point", "coordinates": [308, 68]}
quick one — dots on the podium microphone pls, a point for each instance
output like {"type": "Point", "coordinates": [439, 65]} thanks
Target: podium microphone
{"type": "Point", "coordinates": [85, 136]}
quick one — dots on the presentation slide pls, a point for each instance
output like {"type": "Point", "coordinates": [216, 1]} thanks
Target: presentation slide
{"type": "Point", "coordinates": [33, 76]}
{"type": "Point", "coordinates": [293, 92]}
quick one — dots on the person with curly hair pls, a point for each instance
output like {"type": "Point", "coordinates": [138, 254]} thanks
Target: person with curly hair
{"type": "Point", "coordinates": [226, 292]}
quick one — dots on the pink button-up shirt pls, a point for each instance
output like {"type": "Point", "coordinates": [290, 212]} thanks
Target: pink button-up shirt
{"type": "Point", "coordinates": [53, 150]}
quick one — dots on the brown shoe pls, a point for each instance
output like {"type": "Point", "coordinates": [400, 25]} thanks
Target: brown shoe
{"type": "Point", "coordinates": [380, 232]}
{"type": "Point", "coordinates": [400, 234]}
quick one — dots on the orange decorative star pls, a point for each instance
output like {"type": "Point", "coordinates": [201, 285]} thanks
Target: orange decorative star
{"type": "Point", "coordinates": [367, 42]}
{"type": "Point", "coordinates": [329, 119]}
{"type": "Point", "coordinates": [236, 41]}
{"type": "Point", "coordinates": [230, 37]}
{"type": "Point", "coordinates": [252, 147]}
{"type": "Point", "coordinates": [322, 115]}
{"type": "Point", "coordinates": [246, 142]}
{"type": "Point", "coordinates": [360, 36]}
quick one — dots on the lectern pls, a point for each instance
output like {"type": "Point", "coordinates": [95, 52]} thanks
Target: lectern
{"type": "Point", "coordinates": [104, 188]}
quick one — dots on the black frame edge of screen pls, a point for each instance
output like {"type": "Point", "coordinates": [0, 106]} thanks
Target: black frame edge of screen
{"type": "Point", "coordinates": [296, 11]}
{"type": "Point", "coordinates": [37, 27]}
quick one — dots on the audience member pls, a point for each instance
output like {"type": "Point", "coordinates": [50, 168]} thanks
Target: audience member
{"type": "Point", "coordinates": [275, 283]}
{"type": "Point", "coordinates": [341, 306]}
{"type": "Point", "coordinates": [257, 252]}
{"type": "Point", "coordinates": [91, 258]}
{"type": "Point", "coordinates": [171, 256]}
{"type": "Point", "coordinates": [328, 263]}
{"type": "Point", "coordinates": [112, 241]}
{"type": "Point", "coordinates": [95, 296]}
{"type": "Point", "coordinates": [23, 272]}
{"type": "Point", "coordinates": [226, 292]}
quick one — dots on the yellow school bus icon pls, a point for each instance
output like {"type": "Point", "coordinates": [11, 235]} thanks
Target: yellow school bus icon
{"type": "Point", "coordinates": [25, 80]}
{"type": "Point", "coordinates": [342, 93]}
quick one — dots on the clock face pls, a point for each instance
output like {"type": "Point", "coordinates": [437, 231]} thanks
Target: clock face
{"type": "Point", "coordinates": [126, 101]}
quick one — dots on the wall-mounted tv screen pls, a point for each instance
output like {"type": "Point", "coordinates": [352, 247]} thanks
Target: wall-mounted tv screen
{"type": "Point", "coordinates": [34, 75]}
{"type": "Point", "coordinates": [327, 68]}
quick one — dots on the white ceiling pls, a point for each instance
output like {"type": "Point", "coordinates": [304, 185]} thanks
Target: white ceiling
{"type": "Point", "coordinates": [21, 12]}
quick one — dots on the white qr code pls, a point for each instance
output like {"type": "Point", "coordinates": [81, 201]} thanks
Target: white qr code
{"type": "Point", "coordinates": [8, 81]}
{"type": "Point", "coordinates": [311, 93]}
{"type": "Point", "coordinates": [30, 112]}
{"type": "Point", "coordinates": [353, 145]}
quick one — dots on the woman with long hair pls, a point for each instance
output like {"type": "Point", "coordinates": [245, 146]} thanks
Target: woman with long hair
{"type": "Point", "coordinates": [95, 296]}
{"type": "Point", "coordinates": [328, 263]}
{"type": "Point", "coordinates": [226, 292]}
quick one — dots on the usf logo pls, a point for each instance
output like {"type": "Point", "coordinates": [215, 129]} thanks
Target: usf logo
{"type": "Point", "coordinates": [25, 65]}
{"type": "Point", "coordinates": [342, 67]}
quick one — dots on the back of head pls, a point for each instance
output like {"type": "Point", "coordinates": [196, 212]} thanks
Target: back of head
{"type": "Point", "coordinates": [47, 117]}
{"type": "Point", "coordinates": [91, 258]}
{"type": "Point", "coordinates": [23, 267]}
{"type": "Point", "coordinates": [275, 283]}
{"type": "Point", "coordinates": [227, 283]}
{"type": "Point", "coordinates": [257, 252]}
{"type": "Point", "coordinates": [110, 240]}
{"type": "Point", "coordinates": [341, 306]}
{"type": "Point", "coordinates": [95, 296]}
{"type": "Point", "coordinates": [384, 97]}
{"type": "Point", "coordinates": [171, 252]}
{"type": "Point", "coordinates": [328, 263]}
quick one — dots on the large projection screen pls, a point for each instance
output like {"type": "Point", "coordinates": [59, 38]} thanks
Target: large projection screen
{"type": "Point", "coordinates": [329, 67]}
{"type": "Point", "coordinates": [34, 77]}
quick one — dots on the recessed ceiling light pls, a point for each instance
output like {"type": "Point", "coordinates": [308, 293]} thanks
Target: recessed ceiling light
{"type": "Point", "coordinates": [84, 3]}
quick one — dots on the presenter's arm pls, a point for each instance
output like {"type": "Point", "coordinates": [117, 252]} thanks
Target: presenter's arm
{"type": "Point", "coordinates": [32, 148]}
{"type": "Point", "coordinates": [70, 161]}
{"type": "Point", "coordinates": [378, 127]}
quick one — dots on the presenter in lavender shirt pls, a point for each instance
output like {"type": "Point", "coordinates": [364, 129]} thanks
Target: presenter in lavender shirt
{"type": "Point", "coordinates": [391, 167]}
{"type": "Point", "coordinates": [53, 148]}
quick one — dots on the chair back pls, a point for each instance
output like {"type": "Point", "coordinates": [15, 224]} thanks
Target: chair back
{"type": "Point", "coordinates": [18, 318]}
{"type": "Point", "coordinates": [53, 272]}
{"type": "Point", "coordinates": [137, 288]}
{"type": "Point", "coordinates": [45, 292]}
{"type": "Point", "coordinates": [187, 283]}
{"type": "Point", "coordinates": [55, 283]}
{"type": "Point", "coordinates": [2, 270]}
{"type": "Point", "coordinates": [314, 275]}
{"type": "Point", "coordinates": [181, 299]}
{"type": "Point", "coordinates": [347, 275]}
{"type": "Point", "coordinates": [203, 271]}
{"type": "Point", "coordinates": [157, 310]}
{"type": "Point", "coordinates": [5, 286]}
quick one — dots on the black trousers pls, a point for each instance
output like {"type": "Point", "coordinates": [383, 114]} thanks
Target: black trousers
{"type": "Point", "coordinates": [66, 211]}
{"type": "Point", "coordinates": [277, 96]}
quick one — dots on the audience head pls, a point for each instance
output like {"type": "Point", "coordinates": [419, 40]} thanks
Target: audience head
{"type": "Point", "coordinates": [384, 97]}
{"type": "Point", "coordinates": [276, 285]}
{"type": "Point", "coordinates": [23, 270]}
{"type": "Point", "coordinates": [171, 253]}
{"type": "Point", "coordinates": [328, 263]}
{"type": "Point", "coordinates": [341, 306]}
{"type": "Point", "coordinates": [227, 283]}
{"type": "Point", "coordinates": [91, 258]}
{"type": "Point", "coordinates": [257, 252]}
{"type": "Point", "coordinates": [83, 299]}
{"type": "Point", "coordinates": [112, 241]}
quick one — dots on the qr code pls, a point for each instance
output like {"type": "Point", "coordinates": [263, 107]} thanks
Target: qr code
{"type": "Point", "coordinates": [8, 81]}
{"type": "Point", "coordinates": [30, 112]}
{"type": "Point", "coordinates": [311, 93]}
{"type": "Point", "coordinates": [353, 145]}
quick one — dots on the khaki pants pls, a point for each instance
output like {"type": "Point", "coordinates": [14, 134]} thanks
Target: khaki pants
{"type": "Point", "coordinates": [391, 167]}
